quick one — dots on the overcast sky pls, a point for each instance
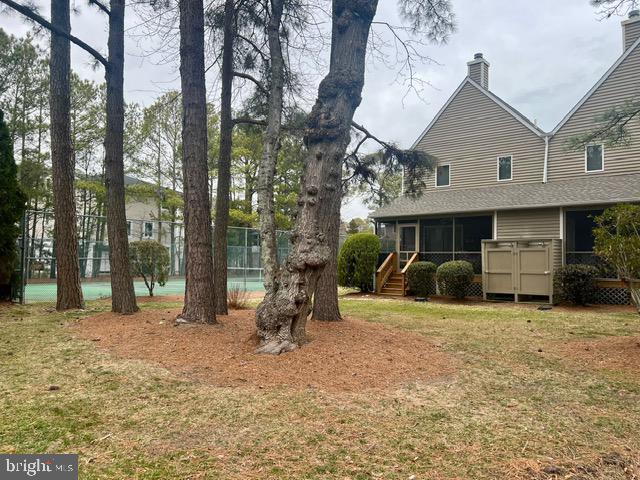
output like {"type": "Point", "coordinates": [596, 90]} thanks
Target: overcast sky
{"type": "Point", "coordinates": [544, 55]}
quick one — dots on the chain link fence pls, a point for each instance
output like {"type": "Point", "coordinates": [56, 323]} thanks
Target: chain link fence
{"type": "Point", "coordinates": [36, 272]}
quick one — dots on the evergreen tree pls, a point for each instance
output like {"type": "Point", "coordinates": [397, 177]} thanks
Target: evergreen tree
{"type": "Point", "coordinates": [12, 205]}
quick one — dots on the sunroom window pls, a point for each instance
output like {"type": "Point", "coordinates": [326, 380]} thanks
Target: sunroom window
{"type": "Point", "coordinates": [594, 158]}
{"type": "Point", "coordinates": [148, 229]}
{"type": "Point", "coordinates": [504, 168]}
{"type": "Point", "coordinates": [443, 176]}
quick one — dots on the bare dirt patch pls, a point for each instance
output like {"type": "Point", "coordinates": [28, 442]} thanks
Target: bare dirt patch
{"type": "Point", "coordinates": [350, 356]}
{"type": "Point", "coordinates": [615, 353]}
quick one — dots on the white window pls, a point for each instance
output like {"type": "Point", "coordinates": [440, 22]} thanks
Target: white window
{"type": "Point", "coordinates": [594, 158]}
{"type": "Point", "coordinates": [128, 228]}
{"type": "Point", "coordinates": [505, 168]}
{"type": "Point", "coordinates": [443, 175]}
{"type": "Point", "coordinates": [148, 229]}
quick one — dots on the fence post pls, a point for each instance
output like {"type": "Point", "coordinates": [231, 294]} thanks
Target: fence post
{"type": "Point", "coordinates": [23, 258]}
{"type": "Point", "coordinates": [246, 246]}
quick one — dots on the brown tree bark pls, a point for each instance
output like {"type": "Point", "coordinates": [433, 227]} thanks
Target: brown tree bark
{"type": "Point", "coordinates": [267, 168]}
{"type": "Point", "coordinates": [199, 305]}
{"type": "Point", "coordinates": [123, 297]}
{"type": "Point", "coordinates": [325, 299]}
{"type": "Point", "coordinates": [69, 293]}
{"type": "Point", "coordinates": [224, 161]}
{"type": "Point", "coordinates": [282, 315]}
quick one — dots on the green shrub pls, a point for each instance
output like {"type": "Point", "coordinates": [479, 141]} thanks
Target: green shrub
{"type": "Point", "coordinates": [150, 260]}
{"type": "Point", "coordinates": [454, 278]}
{"type": "Point", "coordinates": [12, 205]}
{"type": "Point", "coordinates": [576, 284]}
{"type": "Point", "coordinates": [421, 278]}
{"type": "Point", "coordinates": [617, 242]}
{"type": "Point", "coordinates": [357, 261]}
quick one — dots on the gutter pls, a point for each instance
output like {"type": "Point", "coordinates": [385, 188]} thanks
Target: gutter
{"type": "Point", "coordinates": [545, 171]}
{"type": "Point", "coordinates": [488, 210]}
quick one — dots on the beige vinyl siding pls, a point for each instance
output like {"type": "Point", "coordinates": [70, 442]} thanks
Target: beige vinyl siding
{"type": "Point", "coordinates": [536, 223]}
{"type": "Point", "coordinates": [621, 85]}
{"type": "Point", "coordinates": [471, 133]}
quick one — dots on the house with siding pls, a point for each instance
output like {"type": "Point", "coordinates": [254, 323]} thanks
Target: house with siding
{"type": "Point", "coordinates": [514, 200]}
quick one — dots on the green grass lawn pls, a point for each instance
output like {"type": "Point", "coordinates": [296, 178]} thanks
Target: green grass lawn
{"type": "Point", "coordinates": [514, 407]}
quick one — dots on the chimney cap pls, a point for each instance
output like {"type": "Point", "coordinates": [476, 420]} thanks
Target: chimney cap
{"type": "Point", "coordinates": [479, 55]}
{"type": "Point", "coordinates": [634, 13]}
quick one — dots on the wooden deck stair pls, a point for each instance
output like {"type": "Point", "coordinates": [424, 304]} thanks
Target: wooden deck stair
{"type": "Point", "coordinates": [395, 285]}
{"type": "Point", "coordinates": [391, 282]}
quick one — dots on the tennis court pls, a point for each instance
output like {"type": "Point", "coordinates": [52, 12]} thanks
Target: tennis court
{"type": "Point", "coordinates": [92, 290]}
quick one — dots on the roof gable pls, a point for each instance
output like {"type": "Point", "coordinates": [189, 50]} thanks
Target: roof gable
{"type": "Point", "coordinates": [621, 60]}
{"type": "Point", "coordinates": [494, 98]}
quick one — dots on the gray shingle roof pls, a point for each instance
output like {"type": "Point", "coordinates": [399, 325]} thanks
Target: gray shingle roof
{"type": "Point", "coordinates": [588, 190]}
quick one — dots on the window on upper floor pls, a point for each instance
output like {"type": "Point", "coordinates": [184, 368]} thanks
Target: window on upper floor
{"type": "Point", "coordinates": [443, 174]}
{"type": "Point", "coordinates": [148, 229]}
{"type": "Point", "coordinates": [594, 158]}
{"type": "Point", "coordinates": [505, 168]}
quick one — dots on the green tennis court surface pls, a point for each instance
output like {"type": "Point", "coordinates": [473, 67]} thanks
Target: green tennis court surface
{"type": "Point", "coordinates": [43, 292]}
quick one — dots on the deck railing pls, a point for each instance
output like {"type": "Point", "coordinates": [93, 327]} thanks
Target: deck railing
{"type": "Point", "coordinates": [385, 270]}
{"type": "Point", "coordinates": [414, 258]}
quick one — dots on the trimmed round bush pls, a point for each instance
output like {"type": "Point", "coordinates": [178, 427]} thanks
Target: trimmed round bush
{"type": "Point", "coordinates": [576, 284]}
{"type": "Point", "coordinates": [357, 261]}
{"type": "Point", "coordinates": [150, 260]}
{"type": "Point", "coordinates": [421, 278]}
{"type": "Point", "coordinates": [454, 278]}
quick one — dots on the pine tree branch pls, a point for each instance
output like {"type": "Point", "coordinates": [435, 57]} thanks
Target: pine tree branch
{"type": "Point", "coordinates": [249, 121]}
{"type": "Point", "coordinates": [368, 135]}
{"type": "Point", "coordinates": [251, 78]}
{"type": "Point", "coordinates": [100, 5]}
{"type": "Point", "coordinates": [32, 15]}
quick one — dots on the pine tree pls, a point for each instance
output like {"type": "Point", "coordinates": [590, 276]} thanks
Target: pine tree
{"type": "Point", "coordinates": [12, 205]}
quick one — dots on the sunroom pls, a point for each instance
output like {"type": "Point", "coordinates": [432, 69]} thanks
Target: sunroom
{"type": "Point", "coordinates": [455, 224]}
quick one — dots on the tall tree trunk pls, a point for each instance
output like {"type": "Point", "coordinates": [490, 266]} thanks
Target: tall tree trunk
{"type": "Point", "coordinates": [325, 298]}
{"type": "Point", "coordinates": [172, 242]}
{"type": "Point", "coordinates": [69, 293]}
{"type": "Point", "coordinates": [199, 304]}
{"type": "Point", "coordinates": [248, 195]}
{"type": "Point", "coordinates": [123, 297]}
{"type": "Point", "coordinates": [224, 161]}
{"type": "Point", "coordinates": [160, 193]}
{"type": "Point", "coordinates": [282, 315]}
{"type": "Point", "coordinates": [267, 168]}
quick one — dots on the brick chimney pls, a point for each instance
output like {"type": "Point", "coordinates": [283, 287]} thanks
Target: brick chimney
{"type": "Point", "coordinates": [479, 70]}
{"type": "Point", "coordinates": [630, 29]}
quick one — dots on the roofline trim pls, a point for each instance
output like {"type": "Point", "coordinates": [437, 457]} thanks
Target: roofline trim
{"type": "Point", "coordinates": [508, 109]}
{"type": "Point", "coordinates": [598, 84]}
{"type": "Point", "coordinates": [516, 207]}
{"type": "Point", "coordinates": [490, 95]}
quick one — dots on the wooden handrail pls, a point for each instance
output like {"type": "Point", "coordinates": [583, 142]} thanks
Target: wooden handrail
{"type": "Point", "coordinates": [405, 285]}
{"type": "Point", "coordinates": [384, 264]}
{"type": "Point", "coordinates": [413, 258]}
{"type": "Point", "coordinates": [385, 270]}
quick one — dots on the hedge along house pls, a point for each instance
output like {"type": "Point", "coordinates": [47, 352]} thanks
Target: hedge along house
{"type": "Point", "coordinates": [501, 183]}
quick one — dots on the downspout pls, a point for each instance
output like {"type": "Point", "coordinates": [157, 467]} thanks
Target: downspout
{"type": "Point", "coordinates": [545, 172]}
